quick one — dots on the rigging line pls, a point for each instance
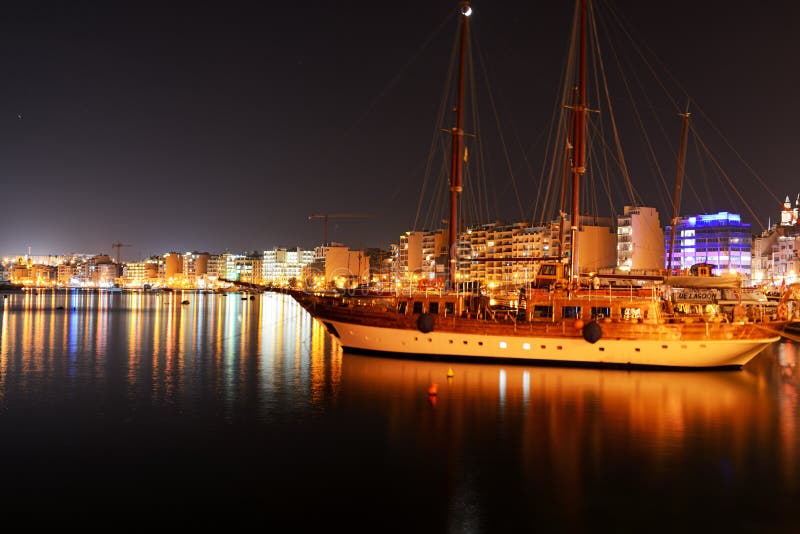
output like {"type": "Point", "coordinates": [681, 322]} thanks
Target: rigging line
{"type": "Point", "coordinates": [605, 179]}
{"type": "Point", "coordinates": [431, 179]}
{"type": "Point", "coordinates": [600, 176]}
{"type": "Point", "coordinates": [699, 109]}
{"type": "Point", "coordinates": [503, 143]}
{"type": "Point", "coordinates": [395, 193]}
{"type": "Point", "coordinates": [439, 208]}
{"type": "Point", "coordinates": [623, 26]}
{"type": "Point", "coordinates": [704, 177]}
{"type": "Point", "coordinates": [546, 177]}
{"type": "Point", "coordinates": [707, 200]}
{"type": "Point", "coordinates": [646, 137]}
{"type": "Point", "coordinates": [475, 207]}
{"type": "Point", "coordinates": [479, 193]}
{"type": "Point", "coordinates": [730, 183]}
{"type": "Point", "coordinates": [703, 196]}
{"type": "Point", "coordinates": [398, 76]}
{"type": "Point", "coordinates": [602, 73]}
{"type": "Point", "coordinates": [611, 153]}
{"type": "Point", "coordinates": [557, 142]}
{"type": "Point", "coordinates": [527, 166]}
{"type": "Point", "coordinates": [436, 131]}
{"type": "Point", "coordinates": [713, 198]}
{"type": "Point", "coordinates": [739, 156]}
{"type": "Point", "coordinates": [439, 191]}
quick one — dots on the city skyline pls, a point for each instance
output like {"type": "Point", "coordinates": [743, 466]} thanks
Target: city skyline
{"type": "Point", "coordinates": [224, 129]}
{"type": "Point", "coordinates": [786, 217]}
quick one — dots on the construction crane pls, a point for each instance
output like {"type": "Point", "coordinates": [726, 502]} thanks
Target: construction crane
{"type": "Point", "coordinates": [326, 216]}
{"type": "Point", "coordinates": [117, 245]}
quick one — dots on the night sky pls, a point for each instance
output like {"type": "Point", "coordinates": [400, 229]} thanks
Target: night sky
{"type": "Point", "coordinates": [222, 126]}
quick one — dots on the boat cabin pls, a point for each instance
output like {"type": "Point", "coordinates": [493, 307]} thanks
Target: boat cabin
{"type": "Point", "coordinates": [538, 306]}
{"type": "Point", "coordinates": [549, 274]}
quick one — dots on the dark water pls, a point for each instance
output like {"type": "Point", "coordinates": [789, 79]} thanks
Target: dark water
{"type": "Point", "coordinates": [237, 412]}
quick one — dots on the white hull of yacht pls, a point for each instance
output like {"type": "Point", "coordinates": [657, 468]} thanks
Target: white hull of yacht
{"type": "Point", "coordinates": [667, 351]}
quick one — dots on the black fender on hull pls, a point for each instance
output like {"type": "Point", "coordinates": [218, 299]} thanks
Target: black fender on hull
{"type": "Point", "coordinates": [425, 323]}
{"type": "Point", "coordinates": [592, 332]}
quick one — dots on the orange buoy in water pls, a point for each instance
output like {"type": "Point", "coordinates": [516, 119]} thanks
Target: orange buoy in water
{"type": "Point", "coordinates": [450, 373]}
{"type": "Point", "coordinates": [433, 390]}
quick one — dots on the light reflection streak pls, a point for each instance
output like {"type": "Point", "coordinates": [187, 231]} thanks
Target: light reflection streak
{"type": "Point", "coordinates": [134, 314]}
{"type": "Point", "coordinates": [526, 388]}
{"type": "Point", "coordinates": [233, 325]}
{"type": "Point", "coordinates": [501, 387]}
{"type": "Point", "coordinates": [4, 342]}
{"type": "Point", "coordinates": [789, 402]}
{"type": "Point", "coordinates": [101, 332]}
{"type": "Point", "coordinates": [72, 330]}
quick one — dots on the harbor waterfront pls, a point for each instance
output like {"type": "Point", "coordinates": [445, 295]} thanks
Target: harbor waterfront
{"type": "Point", "coordinates": [247, 408]}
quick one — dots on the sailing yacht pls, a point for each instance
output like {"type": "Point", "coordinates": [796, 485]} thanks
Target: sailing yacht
{"type": "Point", "coordinates": [560, 322]}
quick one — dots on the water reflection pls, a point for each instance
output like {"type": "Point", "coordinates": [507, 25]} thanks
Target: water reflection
{"type": "Point", "coordinates": [580, 436]}
{"type": "Point", "coordinates": [248, 355]}
{"type": "Point", "coordinates": [498, 445]}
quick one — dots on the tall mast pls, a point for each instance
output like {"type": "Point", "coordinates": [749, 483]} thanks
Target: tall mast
{"type": "Point", "coordinates": [579, 159]}
{"type": "Point", "coordinates": [562, 213]}
{"type": "Point", "coordinates": [676, 199]}
{"type": "Point", "coordinates": [457, 141]}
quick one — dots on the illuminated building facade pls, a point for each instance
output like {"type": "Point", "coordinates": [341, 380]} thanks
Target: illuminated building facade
{"type": "Point", "coordinates": [43, 275]}
{"type": "Point", "coordinates": [775, 251]}
{"type": "Point", "coordinates": [105, 274]}
{"type": "Point", "coordinates": [493, 254]}
{"type": "Point", "coordinates": [336, 265]}
{"type": "Point", "coordinates": [194, 265]}
{"type": "Point", "coordinates": [20, 272]}
{"type": "Point", "coordinates": [250, 268]}
{"type": "Point", "coordinates": [381, 266]}
{"type": "Point", "coordinates": [790, 215]}
{"type": "Point", "coordinates": [137, 274]}
{"type": "Point", "coordinates": [434, 255]}
{"type": "Point", "coordinates": [64, 274]}
{"type": "Point", "coordinates": [491, 247]}
{"type": "Point", "coordinates": [223, 266]}
{"type": "Point", "coordinates": [173, 266]}
{"type": "Point", "coordinates": [640, 241]}
{"type": "Point", "coordinates": [409, 259]}
{"type": "Point", "coordinates": [719, 239]}
{"type": "Point", "coordinates": [284, 265]}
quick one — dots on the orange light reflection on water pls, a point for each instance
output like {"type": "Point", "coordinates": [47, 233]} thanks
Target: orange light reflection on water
{"type": "Point", "coordinates": [578, 418]}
